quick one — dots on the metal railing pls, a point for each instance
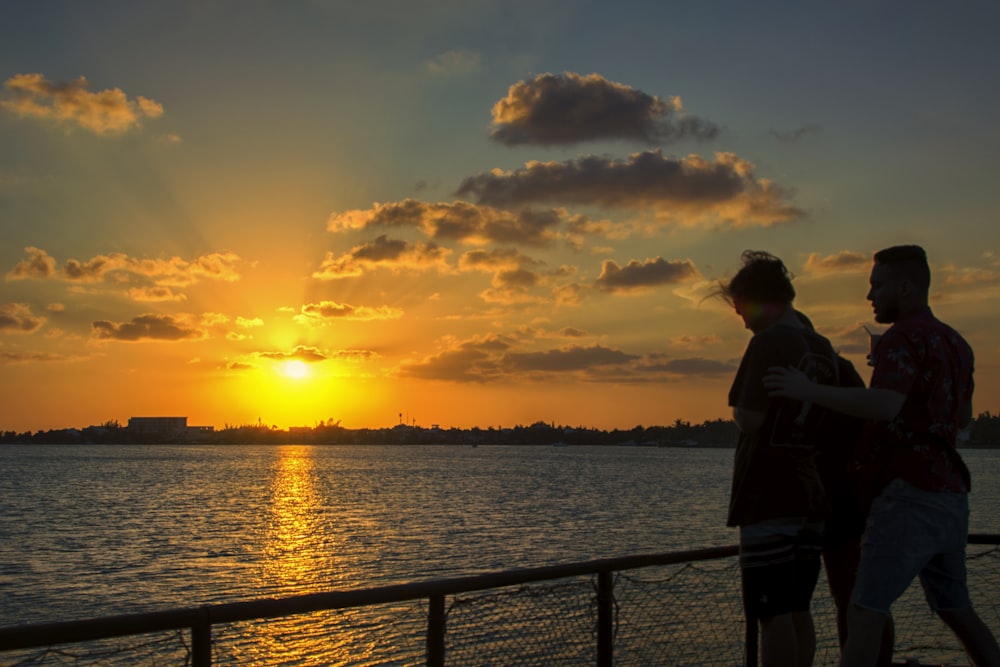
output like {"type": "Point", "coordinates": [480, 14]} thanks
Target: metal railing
{"type": "Point", "coordinates": [200, 620]}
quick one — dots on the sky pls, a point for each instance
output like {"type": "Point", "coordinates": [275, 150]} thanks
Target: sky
{"type": "Point", "coordinates": [470, 212]}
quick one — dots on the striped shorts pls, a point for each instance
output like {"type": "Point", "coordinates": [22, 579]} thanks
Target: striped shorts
{"type": "Point", "coordinates": [779, 565]}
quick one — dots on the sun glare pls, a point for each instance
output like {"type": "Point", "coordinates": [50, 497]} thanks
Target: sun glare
{"type": "Point", "coordinates": [295, 369]}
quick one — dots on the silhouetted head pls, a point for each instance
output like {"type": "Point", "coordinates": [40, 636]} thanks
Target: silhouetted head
{"type": "Point", "coordinates": [900, 282]}
{"type": "Point", "coordinates": [761, 291]}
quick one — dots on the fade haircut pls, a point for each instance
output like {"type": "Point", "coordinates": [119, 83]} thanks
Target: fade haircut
{"type": "Point", "coordinates": [763, 278]}
{"type": "Point", "coordinates": [908, 262]}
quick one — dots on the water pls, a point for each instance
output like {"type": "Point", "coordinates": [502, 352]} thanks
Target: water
{"type": "Point", "coordinates": [98, 530]}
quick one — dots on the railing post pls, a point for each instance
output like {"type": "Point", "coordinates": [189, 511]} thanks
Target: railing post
{"type": "Point", "coordinates": [435, 631]}
{"type": "Point", "coordinates": [201, 642]}
{"type": "Point", "coordinates": [605, 619]}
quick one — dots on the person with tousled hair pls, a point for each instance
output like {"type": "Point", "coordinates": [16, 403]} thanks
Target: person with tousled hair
{"type": "Point", "coordinates": [920, 396]}
{"type": "Point", "coordinates": [777, 497]}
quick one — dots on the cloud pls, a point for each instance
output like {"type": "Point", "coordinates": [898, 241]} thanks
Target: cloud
{"type": "Point", "coordinates": [155, 293]}
{"type": "Point", "coordinates": [495, 260]}
{"type": "Point", "coordinates": [383, 252]}
{"type": "Point", "coordinates": [461, 221]}
{"type": "Point", "coordinates": [39, 265]}
{"type": "Point", "coordinates": [689, 341]}
{"type": "Point", "coordinates": [793, 136]}
{"type": "Point", "coordinates": [698, 366]}
{"type": "Point", "coordinates": [105, 112]}
{"type": "Point", "coordinates": [642, 275]}
{"type": "Point", "coordinates": [162, 275]}
{"type": "Point", "coordinates": [846, 261]}
{"type": "Point", "coordinates": [18, 318]}
{"type": "Point", "coordinates": [456, 61]}
{"type": "Point", "coordinates": [325, 312]}
{"type": "Point", "coordinates": [687, 190]}
{"type": "Point", "coordinates": [29, 357]}
{"type": "Point", "coordinates": [474, 360]}
{"type": "Point", "coordinates": [355, 355]}
{"type": "Point", "coordinates": [962, 276]}
{"type": "Point", "coordinates": [147, 327]}
{"type": "Point", "coordinates": [494, 357]}
{"type": "Point", "coordinates": [300, 353]}
{"type": "Point", "coordinates": [570, 108]}
{"type": "Point", "coordinates": [514, 275]}
{"type": "Point", "coordinates": [563, 360]}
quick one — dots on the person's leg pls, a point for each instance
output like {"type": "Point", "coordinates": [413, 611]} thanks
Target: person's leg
{"type": "Point", "coordinates": [805, 637]}
{"type": "Point", "coordinates": [841, 564]}
{"type": "Point", "coordinates": [977, 640]}
{"type": "Point", "coordinates": [787, 640]}
{"type": "Point", "coordinates": [888, 643]}
{"type": "Point", "coordinates": [890, 559]}
{"type": "Point", "coordinates": [865, 635]}
{"type": "Point", "coordinates": [778, 646]}
{"type": "Point", "coordinates": [945, 580]}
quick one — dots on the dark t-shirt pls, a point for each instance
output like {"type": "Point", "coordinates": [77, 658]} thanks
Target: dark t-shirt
{"type": "Point", "coordinates": [775, 472]}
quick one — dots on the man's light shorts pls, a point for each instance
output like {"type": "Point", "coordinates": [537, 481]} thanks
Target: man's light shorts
{"type": "Point", "coordinates": [914, 532]}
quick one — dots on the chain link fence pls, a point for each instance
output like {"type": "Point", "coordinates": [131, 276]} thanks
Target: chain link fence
{"type": "Point", "coordinates": [678, 615]}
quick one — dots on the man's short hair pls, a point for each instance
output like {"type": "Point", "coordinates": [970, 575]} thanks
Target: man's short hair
{"type": "Point", "coordinates": [908, 262]}
{"type": "Point", "coordinates": [762, 278]}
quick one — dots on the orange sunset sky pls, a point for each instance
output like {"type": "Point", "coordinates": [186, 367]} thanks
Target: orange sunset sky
{"type": "Point", "coordinates": [471, 213]}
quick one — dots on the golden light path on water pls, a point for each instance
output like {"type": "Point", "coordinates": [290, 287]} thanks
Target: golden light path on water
{"type": "Point", "coordinates": [299, 556]}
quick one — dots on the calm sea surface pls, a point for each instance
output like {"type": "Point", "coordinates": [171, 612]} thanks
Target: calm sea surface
{"type": "Point", "coordinates": [96, 530]}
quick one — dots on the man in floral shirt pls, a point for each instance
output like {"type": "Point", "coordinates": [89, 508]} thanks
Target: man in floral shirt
{"type": "Point", "coordinates": [919, 398]}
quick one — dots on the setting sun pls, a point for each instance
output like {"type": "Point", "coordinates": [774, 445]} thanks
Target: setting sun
{"type": "Point", "coordinates": [295, 369]}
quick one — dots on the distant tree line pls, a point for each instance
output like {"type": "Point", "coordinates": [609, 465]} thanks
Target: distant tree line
{"type": "Point", "coordinates": [984, 431]}
{"type": "Point", "coordinates": [681, 433]}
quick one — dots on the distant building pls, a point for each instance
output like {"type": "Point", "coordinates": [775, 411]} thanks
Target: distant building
{"type": "Point", "coordinates": [158, 425]}
{"type": "Point", "coordinates": [165, 426]}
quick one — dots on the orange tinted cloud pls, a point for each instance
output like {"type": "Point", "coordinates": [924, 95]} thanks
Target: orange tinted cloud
{"type": "Point", "coordinates": [687, 190]}
{"type": "Point", "coordinates": [640, 275]}
{"type": "Point", "coordinates": [459, 221]}
{"type": "Point", "coordinates": [162, 273]}
{"type": "Point", "coordinates": [147, 327]}
{"type": "Point", "coordinates": [18, 318]}
{"type": "Point", "coordinates": [570, 108]}
{"type": "Point", "coordinates": [102, 112]}
{"type": "Point", "coordinates": [383, 252]}
{"type": "Point", "coordinates": [847, 261]}
{"type": "Point", "coordinates": [329, 311]}
{"type": "Point", "coordinates": [300, 353]}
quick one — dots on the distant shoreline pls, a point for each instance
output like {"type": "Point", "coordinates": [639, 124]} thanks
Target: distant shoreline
{"type": "Point", "coordinates": [983, 433]}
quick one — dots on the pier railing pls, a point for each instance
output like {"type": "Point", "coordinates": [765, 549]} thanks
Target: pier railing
{"type": "Point", "coordinates": [668, 608]}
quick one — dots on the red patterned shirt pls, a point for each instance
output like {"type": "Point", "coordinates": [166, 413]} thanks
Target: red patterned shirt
{"type": "Point", "coordinates": [931, 364]}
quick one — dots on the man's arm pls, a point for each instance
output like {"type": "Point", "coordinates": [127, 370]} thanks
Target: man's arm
{"type": "Point", "coordinates": [875, 404]}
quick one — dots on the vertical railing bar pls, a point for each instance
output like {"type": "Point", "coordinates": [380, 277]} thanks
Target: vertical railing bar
{"type": "Point", "coordinates": [605, 619]}
{"type": "Point", "coordinates": [435, 631]}
{"type": "Point", "coordinates": [201, 642]}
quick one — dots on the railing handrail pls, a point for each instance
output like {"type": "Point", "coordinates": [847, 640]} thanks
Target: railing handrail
{"type": "Point", "coordinates": [200, 619]}
{"type": "Point", "coordinates": [105, 627]}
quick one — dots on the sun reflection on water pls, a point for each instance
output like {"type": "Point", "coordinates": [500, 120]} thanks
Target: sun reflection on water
{"type": "Point", "coordinates": [293, 536]}
{"type": "Point", "coordinates": [293, 561]}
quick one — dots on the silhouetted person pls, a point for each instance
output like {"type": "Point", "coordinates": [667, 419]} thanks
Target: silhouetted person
{"type": "Point", "coordinates": [845, 523]}
{"type": "Point", "coordinates": [777, 496]}
{"type": "Point", "coordinates": [919, 398]}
